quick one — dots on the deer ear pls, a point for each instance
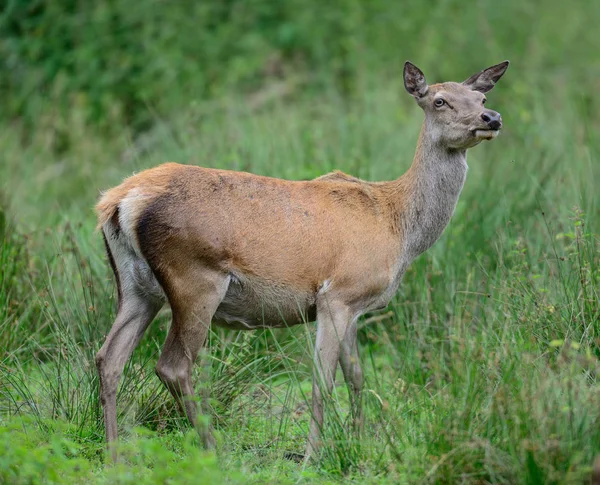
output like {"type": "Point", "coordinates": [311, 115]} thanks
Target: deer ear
{"type": "Point", "coordinates": [485, 80]}
{"type": "Point", "coordinates": [414, 80]}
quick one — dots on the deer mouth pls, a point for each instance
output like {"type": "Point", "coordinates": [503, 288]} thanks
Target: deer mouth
{"type": "Point", "coordinates": [485, 133]}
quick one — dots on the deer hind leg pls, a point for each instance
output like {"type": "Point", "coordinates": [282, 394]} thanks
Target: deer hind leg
{"type": "Point", "coordinates": [194, 297]}
{"type": "Point", "coordinates": [140, 299]}
{"type": "Point", "coordinates": [332, 323]}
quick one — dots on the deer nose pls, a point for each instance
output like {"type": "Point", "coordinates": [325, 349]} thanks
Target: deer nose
{"type": "Point", "coordinates": [492, 118]}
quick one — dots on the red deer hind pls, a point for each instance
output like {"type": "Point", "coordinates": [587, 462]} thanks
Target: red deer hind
{"type": "Point", "coordinates": [246, 252]}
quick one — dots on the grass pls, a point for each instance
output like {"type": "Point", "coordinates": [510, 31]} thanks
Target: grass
{"type": "Point", "coordinates": [483, 369]}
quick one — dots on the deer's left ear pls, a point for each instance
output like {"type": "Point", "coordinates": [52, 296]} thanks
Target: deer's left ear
{"type": "Point", "coordinates": [485, 80]}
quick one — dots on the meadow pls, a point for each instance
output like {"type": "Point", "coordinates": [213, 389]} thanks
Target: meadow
{"type": "Point", "coordinates": [485, 366]}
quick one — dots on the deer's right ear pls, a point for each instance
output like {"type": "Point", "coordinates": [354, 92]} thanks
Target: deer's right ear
{"type": "Point", "coordinates": [414, 80]}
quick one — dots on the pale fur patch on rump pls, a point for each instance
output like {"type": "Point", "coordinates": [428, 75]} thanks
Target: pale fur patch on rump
{"type": "Point", "coordinates": [137, 190]}
{"type": "Point", "coordinates": [119, 210]}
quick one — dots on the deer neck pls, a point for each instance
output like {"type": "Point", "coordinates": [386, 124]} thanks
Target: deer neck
{"type": "Point", "coordinates": [429, 192]}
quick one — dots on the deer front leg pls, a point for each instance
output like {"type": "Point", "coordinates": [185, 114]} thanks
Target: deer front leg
{"type": "Point", "coordinates": [332, 323]}
{"type": "Point", "coordinates": [353, 374]}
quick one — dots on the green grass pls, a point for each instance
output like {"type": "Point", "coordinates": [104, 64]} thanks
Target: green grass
{"type": "Point", "coordinates": [483, 369]}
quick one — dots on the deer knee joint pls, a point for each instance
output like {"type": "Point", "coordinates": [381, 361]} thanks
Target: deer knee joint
{"type": "Point", "coordinates": [174, 379]}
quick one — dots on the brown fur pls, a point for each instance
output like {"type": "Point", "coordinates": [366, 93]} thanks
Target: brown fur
{"type": "Point", "coordinates": [190, 214]}
{"type": "Point", "coordinates": [154, 182]}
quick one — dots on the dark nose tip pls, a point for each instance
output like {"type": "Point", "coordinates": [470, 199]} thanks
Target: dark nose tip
{"type": "Point", "coordinates": [492, 118]}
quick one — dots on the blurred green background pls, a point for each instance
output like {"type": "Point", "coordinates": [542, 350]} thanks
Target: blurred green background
{"type": "Point", "coordinates": [86, 87]}
{"type": "Point", "coordinates": [484, 367]}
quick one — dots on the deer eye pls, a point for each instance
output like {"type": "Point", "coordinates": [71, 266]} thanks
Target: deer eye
{"type": "Point", "coordinates": [439, 102]}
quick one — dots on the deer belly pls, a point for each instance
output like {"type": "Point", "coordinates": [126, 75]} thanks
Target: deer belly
{"type": "Point", "coordinates": [251, 303]}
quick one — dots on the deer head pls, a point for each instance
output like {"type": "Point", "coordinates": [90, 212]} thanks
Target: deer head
{"type": "Point", "coordinates": [455, 113]}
